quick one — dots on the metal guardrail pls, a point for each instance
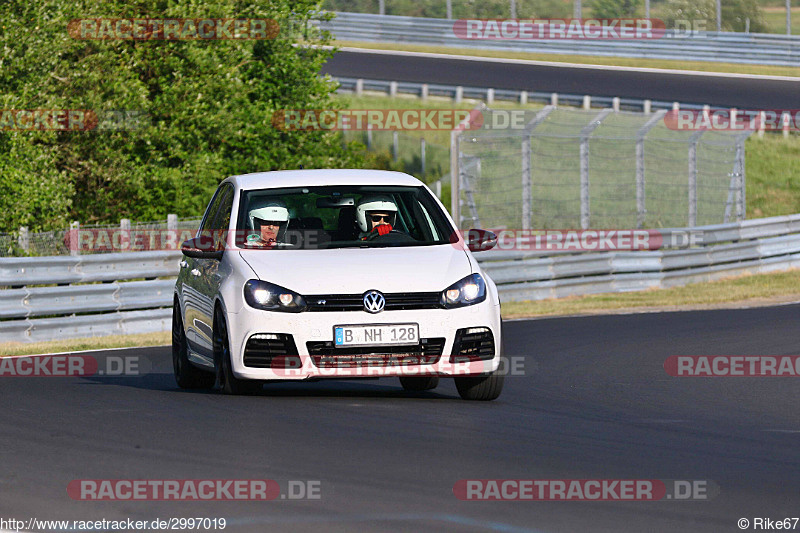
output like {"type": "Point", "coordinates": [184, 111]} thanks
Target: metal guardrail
{"type": "Point", "coordinates": [747, 247]}
{"type": "Point", "coordinates": [357, 85]}
{"type": "Point", "coordinates": [31, 312]}
{"type": "Point", "coordinates": [91, 296]}
{"type": "Point", "coordinates": [752, 48]}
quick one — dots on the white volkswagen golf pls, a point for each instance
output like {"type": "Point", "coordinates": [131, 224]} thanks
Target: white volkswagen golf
{"type": "Point", "coordinates": [310, 274]}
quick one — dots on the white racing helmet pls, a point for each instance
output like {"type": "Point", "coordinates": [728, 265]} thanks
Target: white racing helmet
{"type": "Point", "coordinates": [376, 204]}
{"type": "Point", "coordinates": [271, 211]}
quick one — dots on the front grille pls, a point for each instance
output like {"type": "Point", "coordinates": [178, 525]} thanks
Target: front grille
{"type": "Point", "coordinates": [398, 301]}
{"type": "Point", "coordinates": [473, 344]}
{"type": "Point", "coordinates": [325, 355]}
{"type": "Point", "coordinates": [262, 349]}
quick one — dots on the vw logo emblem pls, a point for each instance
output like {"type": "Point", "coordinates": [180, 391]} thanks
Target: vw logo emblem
{"type": "Point", "coordinates": [374, 302]}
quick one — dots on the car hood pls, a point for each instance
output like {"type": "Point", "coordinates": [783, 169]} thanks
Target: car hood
{"type": "Point", "coordinates": [357, 270]}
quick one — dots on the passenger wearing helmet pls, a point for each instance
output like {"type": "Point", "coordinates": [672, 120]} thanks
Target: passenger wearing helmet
{"type": "Point", "coordinates": [268, 224]}
{"type": "Point", "coordinates": [375, 215]}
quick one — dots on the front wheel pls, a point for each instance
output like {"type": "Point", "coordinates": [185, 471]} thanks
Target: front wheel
{"type": "Point", "coordinates": [186, 375]}
{"type": "Point", "coordinates": [482, 388]}
{"type": "Point", "coordinates": [228, 383]}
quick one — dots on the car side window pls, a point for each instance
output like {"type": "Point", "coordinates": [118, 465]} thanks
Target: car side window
{"type": "Point", "coordinates": [223, 219]}
{"type": "Point", "coordinates": [211, 211]}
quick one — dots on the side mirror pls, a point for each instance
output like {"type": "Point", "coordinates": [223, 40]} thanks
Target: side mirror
{"type": "Point", "coordinates": [480, 240]}
{"type": "Point", "coordinates": [202, 247]}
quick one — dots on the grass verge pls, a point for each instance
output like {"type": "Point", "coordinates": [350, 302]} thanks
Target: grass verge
{"type": "Point", "coordinates": [748, 290]}
{"type": "Point", "coordinates": [90, 343]}
{"type": "Point", "coordinates": [701, 66]}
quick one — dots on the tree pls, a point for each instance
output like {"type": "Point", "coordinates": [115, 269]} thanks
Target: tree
{"type": "Point", "coordinates": [204, 109]}
{"type": "Point", "coordinates": [734, 14]}
{"type": "Point", "coordinates": [606, 9]}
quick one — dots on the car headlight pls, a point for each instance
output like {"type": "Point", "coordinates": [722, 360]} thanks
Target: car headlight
{"type": "Point", "coordinates": [271, 297]}
{"type": "Point", "coordinates": [469, 291]}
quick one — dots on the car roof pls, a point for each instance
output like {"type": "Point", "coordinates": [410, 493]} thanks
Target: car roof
{"type": "Point", "coordinates": [318, 177]}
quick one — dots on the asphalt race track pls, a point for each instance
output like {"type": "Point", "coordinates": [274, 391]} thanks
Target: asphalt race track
{"type": "Point", "coordinates": [594, 403]}
{"type": "Point", "coordinates": [740, 92]}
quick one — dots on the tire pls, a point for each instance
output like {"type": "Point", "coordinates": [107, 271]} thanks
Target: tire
{"type": "Point", "coordinates": [419, 383]}
{"type": "Point", "coordinates": [187, 376]}
{"type": "Point", "coordinates": [228, 383]}
{"type": "Point", "coordinates": [481, 388]}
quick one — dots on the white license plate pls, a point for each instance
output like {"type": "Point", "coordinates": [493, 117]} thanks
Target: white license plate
{"type": "Point", "coordinates": [376, 335]}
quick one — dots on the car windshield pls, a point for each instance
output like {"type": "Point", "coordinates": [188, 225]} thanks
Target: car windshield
{"type": "Point", "coordinates": [340, 217]}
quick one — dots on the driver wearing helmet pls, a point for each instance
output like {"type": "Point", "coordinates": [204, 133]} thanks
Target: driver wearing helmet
{"type": "Point", "coordinates": [268, 224]}
{"type": "Point", "coordinates": [376, 215]}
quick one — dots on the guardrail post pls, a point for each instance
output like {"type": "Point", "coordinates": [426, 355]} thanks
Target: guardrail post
{"type": "Point", "coordinates": [369, 136]}
{"type": "Point", "coordinates": [523, 97]}
{"type": "Point", "coordinates": [75, 232]}
{"type": "Point", "coordinates": [527, 168]}
{"type": "Point", "coordinates": [676, 106]}
{"type": "Point", "coordinates": [395, 145]}
{"type": "Point", "coordinates": [741, 204]}
{"type": "Point", "coordinates": [553, 98]}
{"type": "Point", "coordinates": [785, 120]}
{"type": "Point", "coordinates": [587, 102]}
{"type": "Point", "coordinates": [125, 227]}
{"type": "Point", "coordinates": [459, 96]}
{"type": "Point", "coordinates": [586, 133]}
{"type": "Point", "coordinates": [527, 195]}
{"type": "Point", "coordinates": [423, 91]}
{"type": "Point", "coordinates": [455, 169]}
{"type": "Point", "coordinates": [693, 140]}
{"type": "Point", "coordinates": [647, 106]}
{"type": "Point", "coordinates": [24, 238]}
{"type": "Point", "coordinates": [615, 104]}
{"type": "Point", "coordinates": [455, 177]}
{"type": "Point", "coordinates": [172, 222]}
{"type": "Point", "coordinates": [449, 9]}
{"type": "Point", "coordinates": [762, 123]}
{"type": "Point", "coordinates": [392, 89]}
{"type": "Point", "coordinates": [641, 208]}
{"type": "Point", "coordinates": [381, 7]}
{"type": "Point", "coordinates": [513, 9]}
{"type": "Point", "coordinates": [359, 87]}
{"type": "Point", "coordinates": [489, 96]}
{"type": "Point", "coordinates": [422, 155]}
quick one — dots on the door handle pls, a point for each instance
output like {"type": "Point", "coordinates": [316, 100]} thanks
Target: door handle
{"type": "Point", "coordinates": [195, 272]}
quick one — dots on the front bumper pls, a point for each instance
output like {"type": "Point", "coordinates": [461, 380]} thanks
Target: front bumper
{"type": "Point", "coordinates": [317, 327]}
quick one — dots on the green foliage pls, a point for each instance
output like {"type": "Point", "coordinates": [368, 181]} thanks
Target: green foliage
{"type": "Point", "coordinates": [206, 106]}
{"type": "Point", "coordinates": [614, 8]}
{"type": "Point", "coordinates": [734, 14]}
